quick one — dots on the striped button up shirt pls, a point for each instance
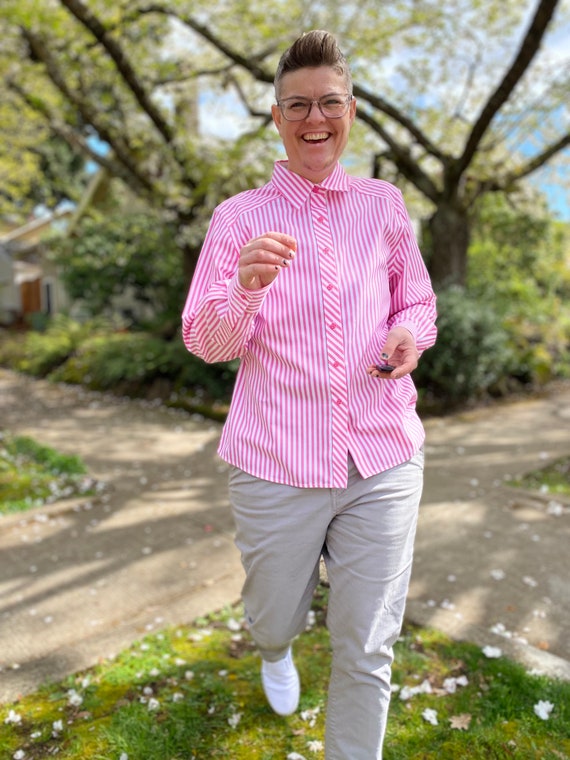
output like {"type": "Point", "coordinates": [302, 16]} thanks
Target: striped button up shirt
{"type": "Point", "coordinates": [303, 401]}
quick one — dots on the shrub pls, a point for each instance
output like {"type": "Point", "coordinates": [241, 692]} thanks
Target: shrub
{"type": "Point", "coordinates": [131, 362]}
{"type": "Point", "coordinates": [39, 353]}
{"type": "Point", "coordinates": [473, 353]}
{"type": "Point", "coordinates": [126, 263]}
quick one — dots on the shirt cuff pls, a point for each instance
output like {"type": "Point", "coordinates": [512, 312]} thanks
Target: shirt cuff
{"type": "Point", "coordinates": [243, 301]}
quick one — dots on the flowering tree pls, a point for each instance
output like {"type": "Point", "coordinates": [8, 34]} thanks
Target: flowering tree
{"type": "Point", "coordinates": [456, 100]}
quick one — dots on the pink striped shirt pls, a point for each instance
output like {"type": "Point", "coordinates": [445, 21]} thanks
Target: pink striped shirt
{"type": "Point", "coordinates": [303, 400]}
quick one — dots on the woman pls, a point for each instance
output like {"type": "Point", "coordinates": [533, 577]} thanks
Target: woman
{"type": "Point", "coordinates": [316, 283]}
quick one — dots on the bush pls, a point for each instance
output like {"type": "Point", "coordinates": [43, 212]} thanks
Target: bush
{"type": "Point", "coordinates": [126, 263]}
{"type": "Point", "coordinates": [102, 358]}
{"type": "Point", "coordinates": [39, 353]}
{"type": "Point", "coordinates": [473, 354]}
{"type": "Point", "coordinates": [510, 325]}
{"type": "Point", "coordinates": [519, 263]}
{"type": "Point", "coordinates": [131, 362]}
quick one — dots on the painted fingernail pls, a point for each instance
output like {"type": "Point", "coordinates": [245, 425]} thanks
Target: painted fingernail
{"type": "Point", "coordinates": [285, 263]}
{"type": "Point", "coordinates": [384, 355]}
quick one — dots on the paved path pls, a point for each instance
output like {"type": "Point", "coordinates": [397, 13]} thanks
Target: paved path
{"type": "Point", "coordinates": [79, 581]}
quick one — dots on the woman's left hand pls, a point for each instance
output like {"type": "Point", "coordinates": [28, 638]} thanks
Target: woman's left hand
{"type": "Point", "coordinates": [399, 352]}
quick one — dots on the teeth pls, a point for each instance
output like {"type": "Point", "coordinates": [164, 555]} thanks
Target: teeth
{"type": "Point", "coordinates": [321, 136]}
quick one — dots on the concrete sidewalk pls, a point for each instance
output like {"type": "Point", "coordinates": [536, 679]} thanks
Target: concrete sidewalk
{"type": "Point", "coordinates": [79, 581]}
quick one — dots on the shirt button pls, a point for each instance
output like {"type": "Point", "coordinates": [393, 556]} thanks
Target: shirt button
{"type": "Point", "coordinates": [336, 365]}
{"type": "Point", "coordinates": [333, 325]}
{"type": "Point", "coordinates": [329, 286]}
{"type": "Point", "coordinates": [338, 402]}
{"type": "Point", "coordinates": [320, 219]}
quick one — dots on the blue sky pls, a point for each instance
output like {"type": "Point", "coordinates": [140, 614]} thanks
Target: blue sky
{"type": "Point", "coordinates": [223, 117]}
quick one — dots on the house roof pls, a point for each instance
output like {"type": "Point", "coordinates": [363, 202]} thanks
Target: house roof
{"type": "Point", "coordinates": [29, 234]}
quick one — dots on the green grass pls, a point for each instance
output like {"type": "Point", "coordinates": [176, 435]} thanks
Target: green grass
{"type": "Point", "coordinates": [32, 475]}
{"type": "Point", "coordinates": [209, 703]}
{"type": "Point", "coordinates": [553, 479]}
{"type": "Point", "coordinates": [205, 680]}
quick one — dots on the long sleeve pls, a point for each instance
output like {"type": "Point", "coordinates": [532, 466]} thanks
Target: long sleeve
{"type": "Point", "coordinates": [413, 300]}
{"type": "Point", "coordinates": [218, 316]}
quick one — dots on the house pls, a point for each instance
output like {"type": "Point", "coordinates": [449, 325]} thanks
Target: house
{"type": "Point", "coordinates": [29, 285]}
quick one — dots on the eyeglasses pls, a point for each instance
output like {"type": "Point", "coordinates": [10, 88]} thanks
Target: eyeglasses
{"type": "Point", "coordinates": [331, 107]}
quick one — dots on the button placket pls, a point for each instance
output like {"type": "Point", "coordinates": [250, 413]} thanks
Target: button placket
{"type": "Point", "coordinates": [334, 333]}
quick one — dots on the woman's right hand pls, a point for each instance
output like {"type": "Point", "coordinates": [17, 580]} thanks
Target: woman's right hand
{"type": "Point", "coordinates": [261, 260]}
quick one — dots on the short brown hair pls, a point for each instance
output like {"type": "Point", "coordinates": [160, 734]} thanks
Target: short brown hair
{"type": "Point", "coordinates": [313, 49]}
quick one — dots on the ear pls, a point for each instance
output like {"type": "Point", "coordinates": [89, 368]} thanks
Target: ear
{"type": "Point", "coordinates": [277, 117]}
{"type": "Point", "coordinates": [352, 110]}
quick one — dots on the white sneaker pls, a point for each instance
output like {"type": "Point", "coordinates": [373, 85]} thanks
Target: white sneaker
{"type": "Point", "coordinates": [281, 684]}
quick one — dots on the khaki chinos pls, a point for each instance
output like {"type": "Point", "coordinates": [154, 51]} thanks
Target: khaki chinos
{"type": "Point", "coordinates": [366, 535]}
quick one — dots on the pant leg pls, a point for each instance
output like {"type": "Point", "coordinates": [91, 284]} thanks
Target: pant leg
{"type": "Point", "coordinates": [369, 551]}
{"type": "Point", "coordinates": [280, 532]}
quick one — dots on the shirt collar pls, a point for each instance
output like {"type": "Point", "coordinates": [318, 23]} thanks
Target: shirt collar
{"type": "Point", "coordinates": [296, 189]}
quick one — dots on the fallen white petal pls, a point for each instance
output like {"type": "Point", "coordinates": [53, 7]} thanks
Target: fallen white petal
{"type": "Point", "coordinates": [410, 691]}
{"type": "Point", "coordinates": [73, 698]}
{"type": "Point", "coordinates": [492, 652]}
{"type": "Point", "coordinates": [234, 719]}
{"type": "Point", "coordinates": [554, 508]}
{"type": "Point", "coordinates": [430, 715]}
{"type": "Point", "coordinates": [543, 709]}
{"type": "Point", "coordinates": [315, 745]}
{"type": "Point", "coordinates": [13, 717]}
{"type": "Point", "coordinates": [310, 714]}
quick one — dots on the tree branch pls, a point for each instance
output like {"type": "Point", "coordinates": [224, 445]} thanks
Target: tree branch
{"type": "Point", "coordinates": [250, 63]}
{"type": "Point", "coordinates": [79, 143]}
{"type": "Point", "coordinates": [89, 115]}
{"type": "Point", "coordinates": [400, 156]}
{"type": "Point", "coordinates": [528, 49]}
{"type": "Point", "coordinates": [387, 108]}
{"type": "Point", "coordinates": [124, 67]}
{"type": "Point", "coordinates": [535, 163]}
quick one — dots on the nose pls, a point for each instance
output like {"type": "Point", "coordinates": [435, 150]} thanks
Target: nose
{"type": "Point", "coordinates": [314, 111]}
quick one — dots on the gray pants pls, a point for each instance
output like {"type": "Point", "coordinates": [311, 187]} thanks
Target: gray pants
{"type": "Point", "coordinates": [365, 534]}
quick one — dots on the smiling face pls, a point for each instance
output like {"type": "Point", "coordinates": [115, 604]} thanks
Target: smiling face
{"type": "Point", "coordinates": [314, 145]}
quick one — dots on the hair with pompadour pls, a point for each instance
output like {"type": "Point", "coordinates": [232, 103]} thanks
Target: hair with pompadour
{"type": "Point", "coordinates": [311, 50]}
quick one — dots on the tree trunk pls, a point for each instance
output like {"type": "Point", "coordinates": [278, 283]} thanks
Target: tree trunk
{"type": "Point", "coordinates": [449, 231]}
